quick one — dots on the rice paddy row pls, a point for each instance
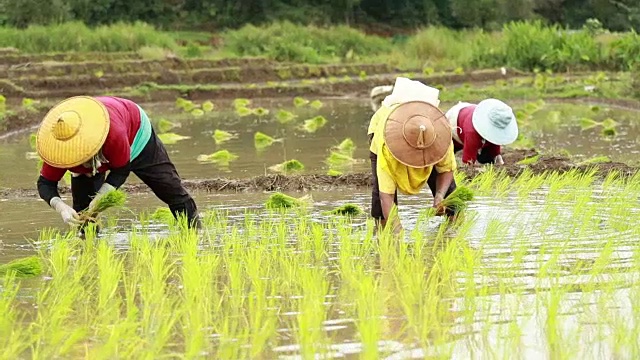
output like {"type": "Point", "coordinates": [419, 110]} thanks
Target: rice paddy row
{"type": "Point", "coordinates": [541, 266]}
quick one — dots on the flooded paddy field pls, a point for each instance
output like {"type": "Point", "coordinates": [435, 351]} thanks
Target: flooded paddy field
{"type": "Point", "coordinates": [539, 266]}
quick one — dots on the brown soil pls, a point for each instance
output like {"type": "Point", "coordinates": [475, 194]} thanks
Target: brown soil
{"type": "Point", "coordinates": [23, 59]}
{"type": "Point", "coordinates": [355, 180]}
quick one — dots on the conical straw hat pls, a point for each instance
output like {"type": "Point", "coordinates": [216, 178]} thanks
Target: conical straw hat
{"type": "Point", "coordinates": [72, 132]}
{"type": "Point", "coordinates": [417, 134]}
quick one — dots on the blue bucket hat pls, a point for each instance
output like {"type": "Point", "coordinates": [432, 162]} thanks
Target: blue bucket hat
{"type": "Point", "coordinates": [495, 122]}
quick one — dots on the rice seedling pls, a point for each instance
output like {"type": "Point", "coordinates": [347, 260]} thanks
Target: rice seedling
{"type": "Point", "coordinates": [197, 112]}
{"type": "Point", "coordinates": [595, 160]}
{"type": "Point", "coordinates": [609, 132]}
{"type": "Point", "coordinates": [22, 268]}
{"type": "Point", "coordinates": [458, 200]}
{"type": "Point", "coordinates": [346, 147]}
{"type": "Point", "coordinates": [221, 136]}
{"type": "Point", "coordinates": [165, 125]}
{"type": "Point", "coordinates": [172, 138]}
{"type": "Point", "coordinates": [208, 106]}
{"type": "Point", "coordinates": [346, 210]}
{"type": "Point", "coordinates": [241, 102]}
{"type": "Point", "coordinates": [300, 101]}
{"type": "Point", "coordinates": [185, 105]}
{"type": "Point", "coordinates": [530, 160]}
{"type": "Point", "coordinates": [243, 111]}
{"type": "Point", "coordinates": [316, 104]}
{"type": "Point", "coordinates": [587, 123]}
{"type": "Point", "coordinates": [284, 116]}
{"type": "Point", "coordinates": [220, 157]}
{"type": "Point", "coordinates": [283, 201]}
{"type": "Point", "coordinates": [112, 199]}
{"type": "Point", "coordinates": [609, 123]}
{"type": "Point", "coordinates": [334, 172]}
{"type": "Point", "coordinates": [263, 141]}
{"type": "Point", "coordinates": [339, 160]}
{"type": "Point", "coordinates": [314, 124]}
{"type": "Point", "coordinates": [288, 167]}
{"type": "Point", "coordinates": [163, 215]}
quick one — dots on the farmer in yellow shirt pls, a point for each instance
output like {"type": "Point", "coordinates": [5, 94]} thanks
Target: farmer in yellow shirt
{"type": "Point", "coordinates": [410, 145]}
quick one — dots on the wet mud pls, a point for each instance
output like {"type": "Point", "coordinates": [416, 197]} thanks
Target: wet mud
{"type": "Point", "coordinates": [319, 182]}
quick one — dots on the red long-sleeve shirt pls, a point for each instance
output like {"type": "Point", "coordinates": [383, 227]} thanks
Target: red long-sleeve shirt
{"type": "Point", "coordinates": [124, 117]}
{"type": "Point", "coordinates": [472, 142]}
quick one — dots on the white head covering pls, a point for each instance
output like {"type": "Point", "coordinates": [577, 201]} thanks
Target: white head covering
{"type": "Point", "coordinates": [406, 90]}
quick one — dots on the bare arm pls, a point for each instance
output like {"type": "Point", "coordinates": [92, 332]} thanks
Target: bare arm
{"type": "Point", "coordinates": [443, 182]}
{"type": "Point", "coordinates": [386, 200]}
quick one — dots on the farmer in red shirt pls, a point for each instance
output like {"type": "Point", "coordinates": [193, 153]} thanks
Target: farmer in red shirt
{"type": "Point", "coordinates": [480, 130]}
{"type": "Point", "coordinates": [90, 136]}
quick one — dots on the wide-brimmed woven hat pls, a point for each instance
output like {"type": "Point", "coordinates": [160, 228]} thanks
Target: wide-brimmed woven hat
{"type": "Point", "coordinates": [72, 132]}
{"type": "Point", "coordinates": [495, 122]}
{"type": "Point", "coordinates": [417, 134]}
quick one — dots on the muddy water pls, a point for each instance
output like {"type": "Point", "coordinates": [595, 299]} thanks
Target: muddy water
{"type": "Point", "coordinates": [346, 118]}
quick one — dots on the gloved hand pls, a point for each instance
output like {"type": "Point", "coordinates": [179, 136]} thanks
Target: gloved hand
{"type": "Point", "coordinates": [69, 216]}
{"type": "Point", "coordinates": [105, 188]}
{"type": "Point", "coordinates": [498, 160]}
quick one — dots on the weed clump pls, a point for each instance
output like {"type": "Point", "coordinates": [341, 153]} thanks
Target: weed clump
{"type": "Point", "coordinates": [282, 201]}
{"type": "Point", "coordinates": [23, 268]}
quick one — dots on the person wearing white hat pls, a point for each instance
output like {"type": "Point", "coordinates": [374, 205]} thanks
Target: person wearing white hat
{"type": "Point", "coordinates": [480, 130]}
{"type": "Point", "coordinates": [90, 136]}
{"type": "Point", "coordinates": [410, 146]}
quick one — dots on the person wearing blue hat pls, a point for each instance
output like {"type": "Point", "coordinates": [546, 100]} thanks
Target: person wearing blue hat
{"type": "Point", "coordinates": [481, 130]}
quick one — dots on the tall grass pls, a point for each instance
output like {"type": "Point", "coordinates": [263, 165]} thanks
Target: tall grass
{"type": "Point", "coordinates": [76, 36]}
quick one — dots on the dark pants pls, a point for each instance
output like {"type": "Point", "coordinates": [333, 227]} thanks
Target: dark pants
{"type": "Point", "coordinates": [156, 170]}
{"type": "Point", "coordinates": [376, 205]}
{"type": "Point", "coordinates": [483, 158]}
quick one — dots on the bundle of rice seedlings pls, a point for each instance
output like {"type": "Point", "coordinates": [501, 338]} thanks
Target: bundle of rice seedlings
{"type": "Point", "coordinates": [263, 141]}
{"type": "Point", "coordinates": [165, 125]}
{"type": "Point", "coordinates": [337, 159]}
{"type": "Point", "coordinates": [241, 102]}
{"type": "Point", "coordinates": [23, 268]}
{"type": "Point", "coordinates": [458, 199]}
{"type": "Point", "coordinates": [300, 101]}
{"type": "Point", "coordinates": [346, 147]}
{"type": "Point", "coordinates": [609, 132]}
{"type": "Point", "coordinates": [289, 166]}
{"type": "Point", "coordinates": [185, 105]}
{"type": "Point", "coordinates": [586, 123]}
{"type": "Point", "coordinates": [281, 201]}
{"type": "Point", "coordinates": [33, 138]}
{"type": "Point", "coordinates": [197, 112]}
{"type": "Point", "coordinates": [609, 123]}
{"type": "Point", "coordinates": [114, 198]}
{"type": "Point", "coordinates": [346, 210]}
{"type": "Point", "coordinates": [285, 116]}
{"type": "Point", "coordinates": [221, 157]}
{"type": "Point", "coordinates": [207, 106]}
{"type": "Point", "coordinates": [316, 104]}
{"type": "Point", "coordinates": [220, 136]}
{"type": "Point", "coordinates": [334, 172]}
{"type": "Point", "coordinates": [171, 138]}
{"type": "Point", "coordinates": [312, 125]}
{"type": "Point", "coordinates": [595, 160]}
{"type": "Point", "coordinates": [163, 215]}
{"type": "Point", "coordinates": [243, 111]}
{"type": "Point", "coordinates": [530, 160]}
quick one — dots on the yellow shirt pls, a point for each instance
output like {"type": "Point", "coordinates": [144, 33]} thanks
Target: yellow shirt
{"type": "Point", "coordinates": [393, 175]}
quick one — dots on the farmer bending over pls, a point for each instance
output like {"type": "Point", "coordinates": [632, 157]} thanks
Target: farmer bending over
{"type": "Point", "coordinates": [89, 136]}
{"type": "Point", "coordinates": [480, 130]}
{"type": "Point", "coordinates": [410, 146]}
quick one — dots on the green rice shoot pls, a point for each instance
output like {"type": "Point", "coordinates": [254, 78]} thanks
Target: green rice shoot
{"type": "Point", "coordinates": [172, 138]}
{"type": "Point", "coordinates": [112, 199]}
{"type": "Point", "coordinates": [165, 125]}
{"type": "Point", "coordinates": [458, 200]}
{"type": "Point", "coordinates": [284, 116]}
{"type": "Point", "coordinates": [241, 102]}
{"type": "Point", "coordinates": [282, 201]}
{"type": "Point", "coordinates": [346, 210]}
{"type": "Point", "coordinates": [163, 215]}
{"type": "Point", "coordinates": [260, 112]}
{"type": "Point", "coordinates": [334, 172]}
{"type": "Point", "coordinates": [300, 101]}
{"type": "Point", "coordinates": [263, 141]}
{"type": "Point", "coordinates": [314, 124]}
{"type": "Point", "coordinates": [197, 112]}
{"type": "Point", "coordinates": [338, 159]}
{"type": "Point", "coordinates": [220, 157]}
{"type": "Point", "coordinates": [287, 167]}
{"type": "Point", "coordinates": [243, 111]}
{"type": "Point", "coordinates": [23, 268]}
{"type": "Point", "coordinates": [208, 106]}
{"type": "Point", "coordinates": [587, 123]}
{"type": "Point", "coordinates": [530, 160]}
{"type": "Point", "coordinates": [595, 160]}
{"type": "Point", "coordinates": [221, 136]}
{"type": "Point", "coordinates": [316, 104]}
{"type": "Point", "coordinates": [609, 132]}
{"type": "Point", "coordinates": [346, 147]}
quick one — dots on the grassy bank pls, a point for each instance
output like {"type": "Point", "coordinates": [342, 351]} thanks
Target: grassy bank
{"type": "Point", "coordinates": [522, 45]}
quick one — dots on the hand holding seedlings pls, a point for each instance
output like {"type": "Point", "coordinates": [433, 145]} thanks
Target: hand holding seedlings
{"type": "Point", "coordinates": [69, 216]}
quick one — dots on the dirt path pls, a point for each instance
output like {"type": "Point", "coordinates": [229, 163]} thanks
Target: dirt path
{"type": "Point", "coordinates": [317, 182]}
